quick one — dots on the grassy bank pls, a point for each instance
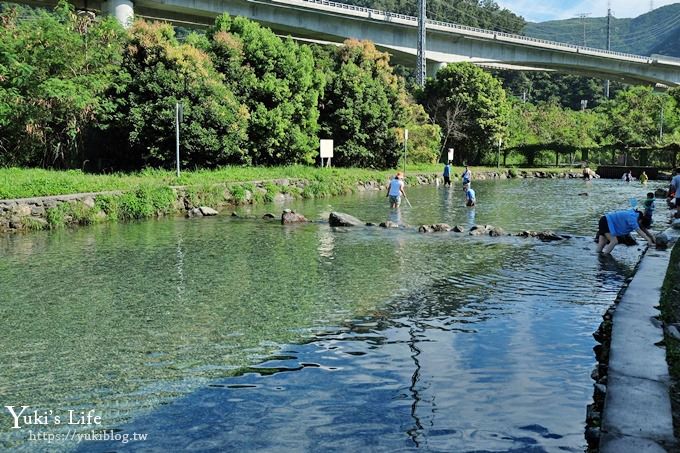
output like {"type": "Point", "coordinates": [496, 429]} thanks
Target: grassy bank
{"type": "Point", "coordinates": [24, 183]}
{"type": "Point", "coordinates": [670, 313]}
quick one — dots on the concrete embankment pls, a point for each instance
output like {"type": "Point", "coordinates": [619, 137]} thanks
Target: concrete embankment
{"type": "Point", "coordinates": [637, 415]}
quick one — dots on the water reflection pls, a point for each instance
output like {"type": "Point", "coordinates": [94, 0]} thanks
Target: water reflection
{"type": "Point", "coordinates": [439, 341]}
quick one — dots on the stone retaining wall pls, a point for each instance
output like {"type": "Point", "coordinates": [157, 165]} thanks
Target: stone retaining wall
{"type": "Point", "coordinates": [32, 213]}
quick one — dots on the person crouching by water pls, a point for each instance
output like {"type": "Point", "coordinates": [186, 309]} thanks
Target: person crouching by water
{"type": "Point", "coordinates": [395, 190]}
{"type": "Point", "coordinates": [470, 199]}
{"type": "Point", "coordinates": [619, 223]}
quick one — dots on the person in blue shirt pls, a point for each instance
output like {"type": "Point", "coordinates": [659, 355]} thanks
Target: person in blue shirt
{"type": "Point", "coordinates": [467, 176]}
{"type": "Point", "coordinates": [619, 223]}
{"type": "Point", "coordinates": [470, 199]}
{"type": "Point", "coordinates": [447, 174]}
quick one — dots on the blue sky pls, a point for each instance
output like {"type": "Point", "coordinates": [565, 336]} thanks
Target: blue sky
{"type": "Point", "coordinates": [539, 11]}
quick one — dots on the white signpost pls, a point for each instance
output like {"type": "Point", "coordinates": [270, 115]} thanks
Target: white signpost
{"type": "Point", "coordinates": [326, 151]}
{"type": "Point", "coordinates": [450, 156]}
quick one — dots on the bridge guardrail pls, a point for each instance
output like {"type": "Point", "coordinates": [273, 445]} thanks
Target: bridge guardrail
{"type": "Point", "coordinates": [490, 33]}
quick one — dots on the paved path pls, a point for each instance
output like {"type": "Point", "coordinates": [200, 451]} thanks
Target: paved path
{"type": "Point", "coordinates": [637, 411]}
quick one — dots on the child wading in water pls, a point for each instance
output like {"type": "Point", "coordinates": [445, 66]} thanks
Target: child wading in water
{"type": "Point", "coordinates": [470, 199]}
{"type": "Point", "coordinates": [395, 190]}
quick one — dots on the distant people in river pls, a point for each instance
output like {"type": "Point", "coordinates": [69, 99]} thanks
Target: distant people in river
{"type": "Point", "coordinates": [589, 174]}
{"type": "Point", "coordinates": [619, 223]}
{"type": "Point", "coordinates": [467, 176]}
{"type": "Point", "coordinates": [470, 199]}
{"type": "Point", "coordinates": [628, 176]}
{"type": "Point", "coordinates": [447, 174]}
{"type": "Point", "coordinates": [643, 177]}
{"type": "Point", "coordinates": [674, 192]}
{"type": "Point", "coordinates": [395, 190]}
{"type": "Point", "coordinates": [649, 210]}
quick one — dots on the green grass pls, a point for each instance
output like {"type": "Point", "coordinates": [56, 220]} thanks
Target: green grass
{"type": "Point", "coordinates": [670, 313]}
{"type": "Point", "coordinates": [23, 183]}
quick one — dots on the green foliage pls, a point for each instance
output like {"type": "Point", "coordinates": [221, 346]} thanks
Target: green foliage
{"type": "Point", "coordinates": [363, 106]}
{"type": "Point", "coordinates": [512, 172]}
{"type": "Point", "coordinates": [145, 202]}
{"type": "Point", "coordinates": [635, 114]}
{"type": "Point", "coordinates": [471, 108]}
{"type": "Point", "coordinates": [32, 224]}
{"type": "Point", "coordinates": [54, 70]}
{"type": "Point", "coordinates": [158, 72]}
{"type": "Point", "coordinates": [275, 78]}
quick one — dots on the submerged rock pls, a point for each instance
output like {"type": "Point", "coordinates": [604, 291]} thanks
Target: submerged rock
{"type": "Point", "coordinates": [389, 224]}
{"type": "Point", "coordinates": [484, 230]}
{"type": "Point", "coordinates": [269, 216]}
{"type": "Point", "coordinates": [339, 219]}
{"type": "Point", "coordinates": [434, 228]}
{"type": "Point", "coordinates": [661, 193]}
{"type": "Point", "coordinates": [661, 240]}
{"type": "Point", "coordinates": [545, 236]}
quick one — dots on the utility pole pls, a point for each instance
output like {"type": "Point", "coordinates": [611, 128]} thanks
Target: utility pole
{"type": "Point", "coordinates": [609, 44]}
{"type": "Point", "coordinates": [583, 16]}
{"type": "Point", "coordinates": [421, 65]}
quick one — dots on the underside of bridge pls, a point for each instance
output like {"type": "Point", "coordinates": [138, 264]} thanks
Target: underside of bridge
{"type": "Point", "coordinates": [397, 38]}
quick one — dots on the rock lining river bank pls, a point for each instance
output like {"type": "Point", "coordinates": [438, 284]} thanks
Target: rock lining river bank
{"type": "Point", "coordinates": [39, 213]}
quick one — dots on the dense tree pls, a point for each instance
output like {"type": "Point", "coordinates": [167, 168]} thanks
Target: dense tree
{"type": "Point", "coordinates": [363, 107]}
{"type": "Point", "coordinates": [276, 79]}
{"type": "Point", "coordinates": [478, 103]}
{"type": "Point", "coordinates": [54, 69]}
{"type": "Point", "coordinates": [158, 72]}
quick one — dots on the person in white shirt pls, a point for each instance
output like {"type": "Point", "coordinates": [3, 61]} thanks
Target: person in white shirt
{"type": "Point", "coordinates": [395, 190]}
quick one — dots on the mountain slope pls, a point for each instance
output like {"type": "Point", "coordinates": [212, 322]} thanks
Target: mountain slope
{"type": "Point", "coordinates": [657, 31]}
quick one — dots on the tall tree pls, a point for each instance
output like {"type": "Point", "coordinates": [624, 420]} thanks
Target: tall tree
{"type": "Point", "coordinates": [481, 97]}
{"type": "Point", "coordinates": [364, 107]}
{"type": "Point", "coordinates": [157, 73]}
{"type": "Point", "coordinates": [276, 79]}
{"type": "Point", "coordinates": [54, 70]}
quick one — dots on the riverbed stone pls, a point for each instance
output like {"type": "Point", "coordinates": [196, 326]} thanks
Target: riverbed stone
{"type": "Point", "coordinates": [288, 217]}
{"type": "Point", "coordinates": [268, 216]}
{"type": "Point", "coordinates": [207, 211]}
{"type": "Point", "coordinates": [339, 219]}
{"type": "Point", "coordinates": [458, 229]}
{"type": "Point", "coordinates": [661, 240]}
{"type": "Point", "coordinates": [389, 224]}
{"type": "Point", "coordinates": [37, 211]}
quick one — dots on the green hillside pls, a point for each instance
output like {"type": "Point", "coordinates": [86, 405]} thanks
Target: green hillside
{"type": "Point", "coordinates": [655, 32]}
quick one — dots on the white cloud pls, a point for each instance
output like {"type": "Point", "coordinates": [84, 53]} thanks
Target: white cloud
{"type": "Point", "coordinates": [554, 9]}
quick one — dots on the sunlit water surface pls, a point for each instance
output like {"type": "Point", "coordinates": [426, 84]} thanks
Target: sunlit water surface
{"type": "Point", "coordinates": [239, 334]}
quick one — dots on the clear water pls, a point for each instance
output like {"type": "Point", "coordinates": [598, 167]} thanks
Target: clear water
{"type": "Point", "coordinates": [226, 334]}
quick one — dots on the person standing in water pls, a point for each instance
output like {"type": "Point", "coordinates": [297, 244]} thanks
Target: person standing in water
{"type": "Point", "coordinates": [395, 190]}
{"type": "Point", "coordinates": [447, 174]}
{"type": "Point", "coordinates": [467, 176]}
{"type": "Point", "coordinates": [643, 178]}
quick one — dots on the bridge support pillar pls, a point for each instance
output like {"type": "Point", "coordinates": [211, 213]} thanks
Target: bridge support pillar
{"type": "Point", "coordinates": [123, 10]}
{"type": "Point", "coordinates": [433, 66]}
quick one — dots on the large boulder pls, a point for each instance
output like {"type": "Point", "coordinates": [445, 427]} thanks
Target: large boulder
{"type": "Point", "coordinates": [339, 219]}
{"type": "Point", "coordinates": [289, 216]}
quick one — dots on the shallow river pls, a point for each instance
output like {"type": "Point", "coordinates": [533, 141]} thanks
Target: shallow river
{"type": "Point", "coordinates": [227, 334]}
